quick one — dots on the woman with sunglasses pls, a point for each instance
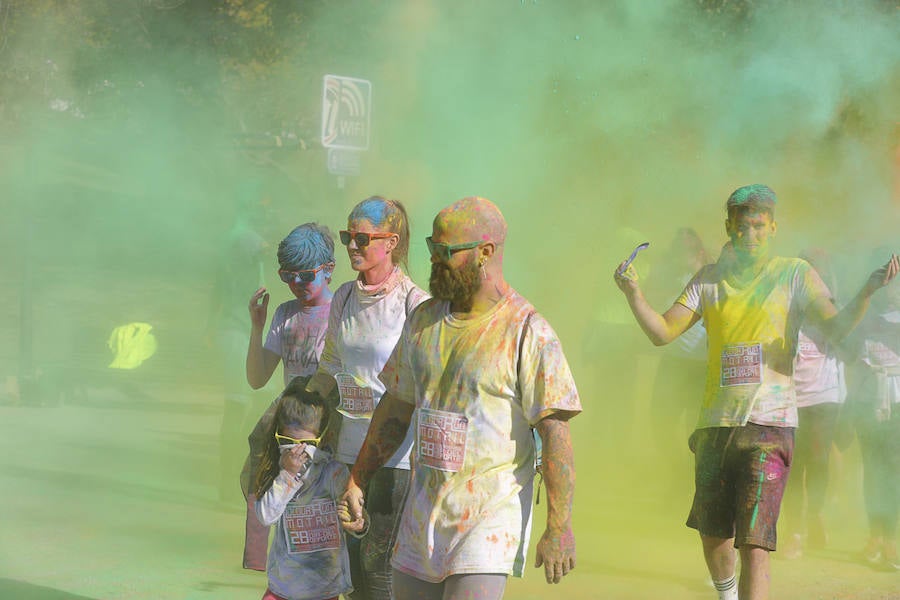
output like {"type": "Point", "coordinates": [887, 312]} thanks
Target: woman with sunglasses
{"type": "Point", "coordinates": [296, 337]}
{"type": "Point", "coordinates": [366, 320]}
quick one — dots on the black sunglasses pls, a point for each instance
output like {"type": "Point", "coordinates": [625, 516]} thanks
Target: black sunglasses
{"type": "Point", "coordinates": [307, 276]}
{"type": "Point", "coordinates": [362, 238]}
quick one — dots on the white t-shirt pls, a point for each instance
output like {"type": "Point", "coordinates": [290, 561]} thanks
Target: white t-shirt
{"type": "Point", "coordinates": [881, 351]}
{"type": "Point", "coordinates": [818, 372]}
{"type": "Point", "coordinates": [752, 338]}
{"type": "Point", "coordinates": [479, 386]}
{"type": "Point", "coordinates": [362, 332]}
{"type": "Point", "coordinates": [297, 335]}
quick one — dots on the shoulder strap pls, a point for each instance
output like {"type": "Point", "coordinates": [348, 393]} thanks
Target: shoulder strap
{"type": "Point", "coordinates": [345, 299]}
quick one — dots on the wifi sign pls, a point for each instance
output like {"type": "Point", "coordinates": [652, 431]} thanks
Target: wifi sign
{"type": "Point", "coordinates": [346, 112]}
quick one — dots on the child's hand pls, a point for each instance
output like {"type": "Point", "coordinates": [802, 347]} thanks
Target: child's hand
{"type": "Point", "coordinates": [347, 521]}
{"type": "Point", "coordinates": [294, 460]}
{"type": "Point", "coordinates": [259, 305]}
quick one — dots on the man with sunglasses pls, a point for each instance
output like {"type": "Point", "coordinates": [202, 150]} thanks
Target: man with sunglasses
{"type": "Point", "coordinates": [475, 369]}
{"type": "Point", "coordinates": [295, 338]}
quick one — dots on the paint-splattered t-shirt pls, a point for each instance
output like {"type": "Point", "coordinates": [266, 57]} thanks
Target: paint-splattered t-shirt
{"type": "Point", "coordinates": [362, 332]}
{"type": "Point", "coordinates": [308, 557]}
{"type": "Point", "coordinates": [297, 335]}
{"type": "Point", "coordinates": [478, 385]}
{"type": "Point", "coordinates": [752, 338]}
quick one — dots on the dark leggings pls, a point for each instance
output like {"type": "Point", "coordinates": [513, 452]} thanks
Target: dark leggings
{"type": "Point", "coordinates": [809, 471]}
{"type": "Point", "coordinates": [370, 557]}
{"type": "Point", "coordinates": [879, 442]}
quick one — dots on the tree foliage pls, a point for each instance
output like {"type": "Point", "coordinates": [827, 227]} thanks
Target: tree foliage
{"type": "Point", "coordinates": [96, 59]}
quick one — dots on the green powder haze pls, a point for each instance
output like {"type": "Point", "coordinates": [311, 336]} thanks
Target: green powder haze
{"type": "Point", "coordinates": [134, 135]}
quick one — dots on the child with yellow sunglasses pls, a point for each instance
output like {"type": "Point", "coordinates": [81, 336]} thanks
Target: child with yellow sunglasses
{"type": "Point", "coordinates": [298, 486]}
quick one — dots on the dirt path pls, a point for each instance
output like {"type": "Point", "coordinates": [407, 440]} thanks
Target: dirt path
{"type": "Point", "coordinates": [114, 497]}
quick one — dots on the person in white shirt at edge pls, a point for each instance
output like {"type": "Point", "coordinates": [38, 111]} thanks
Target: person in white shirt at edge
{"type": "Point", "coordinates": [752, 305]}
{"type": "Point", "coordinates": [367, 316]}
{"type": "Point", "coordinates": [821, 390]}
{"type": "Point", "coordinates": [474, 371]}
{"type": "Point", "coordinates": [874, 397]}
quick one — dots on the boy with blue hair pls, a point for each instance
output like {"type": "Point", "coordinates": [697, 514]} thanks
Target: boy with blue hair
{"type": "Point", "coordinates": [295, 338]}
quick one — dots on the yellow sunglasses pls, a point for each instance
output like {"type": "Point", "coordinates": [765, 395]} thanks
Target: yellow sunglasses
{"type": "Point", "coordinates": [285, 441]}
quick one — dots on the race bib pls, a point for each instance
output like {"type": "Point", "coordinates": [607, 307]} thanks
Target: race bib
{"type": "Point", "coordinates": [442, 439]}
{"type": "Point", "coordinates": [311, 527]}
{"type": "Point", "coordinates": [808, 349]}
{"type": "Point", "coordinates": [741, 364]}
{"type": "Point", "coordinates": [879, 354]}
{"type": "Point", "coordinates": [357, 400]}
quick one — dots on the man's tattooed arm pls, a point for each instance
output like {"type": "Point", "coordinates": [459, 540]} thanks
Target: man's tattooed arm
{"type": "Point", "coordinates": [390, 421]}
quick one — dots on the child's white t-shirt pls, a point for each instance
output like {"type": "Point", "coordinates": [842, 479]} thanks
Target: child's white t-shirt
{"type": "Point", "coordinates": [297, 335]}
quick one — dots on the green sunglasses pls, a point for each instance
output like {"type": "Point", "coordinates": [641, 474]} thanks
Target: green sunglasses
{"type": "Point", "coordinates": [443, 252]}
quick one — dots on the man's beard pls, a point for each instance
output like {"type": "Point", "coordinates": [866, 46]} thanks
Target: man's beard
{"type": "Point", "coordinates": [456, 285]}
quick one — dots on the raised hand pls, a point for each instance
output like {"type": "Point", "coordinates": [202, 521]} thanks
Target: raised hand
{"type": "Point", "coordinates": [883, 275]}
{"type": "Point", "coordinates": [259, 308]}
{"type": "Point", "coordinates": [627, 280]}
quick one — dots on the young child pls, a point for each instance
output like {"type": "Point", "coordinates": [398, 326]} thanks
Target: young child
{"type": "Point", "coordinates": [295, 338]}
{"type": "Point", "coordinates": [298, 486]}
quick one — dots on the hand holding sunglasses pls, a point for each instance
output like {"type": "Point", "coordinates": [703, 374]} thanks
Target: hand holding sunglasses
{"type": "Point", "coordinates": [624, 266]}
{"type": "Point", "coordinates": [625, 275]}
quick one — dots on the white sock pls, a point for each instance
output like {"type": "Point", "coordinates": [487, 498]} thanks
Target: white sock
{"type": "Point", "coordinates": [727, 588]}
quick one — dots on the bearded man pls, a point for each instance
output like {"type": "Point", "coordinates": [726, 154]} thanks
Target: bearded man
{"type": "Point", "coordinates": [474, 372]}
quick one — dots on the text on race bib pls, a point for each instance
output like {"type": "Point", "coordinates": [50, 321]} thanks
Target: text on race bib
{"type": "Point", "coordinates": [741, 364]}
{"type": "Point", "coordinates": [311, 527]}
{"type": "Point", "coordinates": [880, 355]}
{"type": "Point", "coordinates": [441, 439]}
{"type": "Point", "coordinates": [357, 401]}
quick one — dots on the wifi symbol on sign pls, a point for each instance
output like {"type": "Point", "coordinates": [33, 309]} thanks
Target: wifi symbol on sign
{"type": "Point", "coordinates": [346, 110]}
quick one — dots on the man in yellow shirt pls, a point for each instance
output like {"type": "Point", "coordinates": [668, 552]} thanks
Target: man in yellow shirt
{"type": "Point", "coordinates": [752, 305]}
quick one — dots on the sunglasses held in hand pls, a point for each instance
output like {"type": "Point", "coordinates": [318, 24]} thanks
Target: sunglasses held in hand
{"type": "Point", "coordinates": [631, 258]}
